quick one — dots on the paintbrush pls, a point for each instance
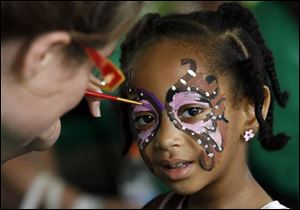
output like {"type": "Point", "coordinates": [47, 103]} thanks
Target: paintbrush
{"type": "Point", "coordinates": [114, 98]}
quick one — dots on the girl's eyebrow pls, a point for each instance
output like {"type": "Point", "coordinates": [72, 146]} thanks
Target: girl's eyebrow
{"type": "Point", "coordinates": [204, 100]}
{"type": "Point", "coordinates": [142, 108]}
{"type": "Point", "coordinates": [146, 106]}
{"type": "Point", "coordinates": [153, 97]}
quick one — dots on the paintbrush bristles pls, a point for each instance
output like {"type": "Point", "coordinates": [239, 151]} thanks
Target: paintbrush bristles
{"type": "Point", "coordinates": [129, 101]}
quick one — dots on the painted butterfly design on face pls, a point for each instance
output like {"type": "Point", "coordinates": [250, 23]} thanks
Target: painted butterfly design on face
{"type": "Point", "coordinates": [145, 118]}
{"type": "Point", "coordinates": [193, 105]}
{"type": "Point", "coordinates": [197, 94]}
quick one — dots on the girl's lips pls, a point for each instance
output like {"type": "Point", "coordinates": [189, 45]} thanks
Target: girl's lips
{"type": "Point", "coordinates": [175, 169]}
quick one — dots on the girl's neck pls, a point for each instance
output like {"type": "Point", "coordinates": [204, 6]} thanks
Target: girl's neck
{"type": "Point", "coordinates": [238, 190]}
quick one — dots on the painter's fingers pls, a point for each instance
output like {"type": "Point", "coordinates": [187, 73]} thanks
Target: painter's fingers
{"type": "Point", "coordinates": [96, 81]}
{"type": "Point", "coordinates": [94, 106]}
{"type": "Point", "coordinates": [93, 102]}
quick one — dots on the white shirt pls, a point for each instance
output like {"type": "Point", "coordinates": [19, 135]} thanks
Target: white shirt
{"type": "Point", "coordinates": [274, 205]}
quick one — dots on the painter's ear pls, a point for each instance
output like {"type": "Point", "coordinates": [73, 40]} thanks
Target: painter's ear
{"type": "Point", "coordinates": [249, 108]}
{"type": "Point", "coordinates": [40, 52]}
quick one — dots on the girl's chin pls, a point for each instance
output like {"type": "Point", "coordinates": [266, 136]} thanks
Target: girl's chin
{"type": "Point", "coordinates": [185, 191]}
{"type": "Point", "coordinates": [184, 188]}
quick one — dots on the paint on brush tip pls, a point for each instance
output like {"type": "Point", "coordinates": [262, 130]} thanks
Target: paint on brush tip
{"type": "Point", "coordinates": [153, 97]}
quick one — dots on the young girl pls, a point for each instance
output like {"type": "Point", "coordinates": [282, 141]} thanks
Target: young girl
{"type": "Point", "coordinates": [206, 81]}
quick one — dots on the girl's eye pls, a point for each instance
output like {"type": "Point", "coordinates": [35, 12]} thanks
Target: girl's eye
{"type": "Point", "coordinates": [144, 121]}
{"type": "Point", "coordinates": [191, 112]}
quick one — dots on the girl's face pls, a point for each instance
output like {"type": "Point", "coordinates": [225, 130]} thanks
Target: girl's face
{"type": "Point", "coordinates": [187, 129]}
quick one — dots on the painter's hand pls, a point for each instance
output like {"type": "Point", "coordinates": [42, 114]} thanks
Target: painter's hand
{"type": "Point", "coordinates": [93, 102]}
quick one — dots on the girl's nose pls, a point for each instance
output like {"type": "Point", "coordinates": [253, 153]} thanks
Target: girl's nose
{"type": "Point", "coordinates": [168, 136]}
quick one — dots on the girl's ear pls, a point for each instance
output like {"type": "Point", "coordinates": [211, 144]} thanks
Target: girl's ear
{"type": "Point", "coordinates": [249, 108]}
{"type": "Point", "coordinates": [250, 120]}
{"type": "Point", "coordinates": [267, 102]}
{"type": "Point", "coordinates": [39, 53]}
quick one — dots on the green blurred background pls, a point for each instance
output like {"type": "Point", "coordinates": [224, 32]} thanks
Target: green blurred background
{"type": "Point", "coordinates": [89, 150]}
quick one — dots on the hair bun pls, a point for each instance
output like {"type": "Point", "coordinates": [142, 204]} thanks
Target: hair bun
{"type": "Point", "coordinates": [153, 20]}
{"type": "Point", "coordinates": [230, 9]}
{"type": "Point", "coordinates": [234, 13]}
{"type": "Point", "coordinates": [153, 17]}
{"type": "Point", "coordinates": [284, 97]}
{"type": "Point", "coordinates": [274, 142]}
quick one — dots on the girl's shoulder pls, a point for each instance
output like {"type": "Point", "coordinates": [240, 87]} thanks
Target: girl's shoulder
{"type": "Point", "coordinates": [155, 202]}
{"type": "Point", "coordinates": [168, 200]}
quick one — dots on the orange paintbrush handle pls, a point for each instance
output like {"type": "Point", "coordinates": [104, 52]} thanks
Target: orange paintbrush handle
{"type": "Point", "coordinates": [114, 98]}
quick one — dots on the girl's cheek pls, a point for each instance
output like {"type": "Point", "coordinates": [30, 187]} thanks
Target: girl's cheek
{"type": "Point", "coordinates": [146, 155]}
{"type": "Point", "coordinates": [223, 130]}
{"type": "Point", "coordinates": [205, 162]}
{"type": "Point", "coordinates": [145, 137]}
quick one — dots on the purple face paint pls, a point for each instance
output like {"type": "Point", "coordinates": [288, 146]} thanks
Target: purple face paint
{"type": "Point", "coordinates": [146, 106]}
{"type": "Point", "coordinates": [140, 113]}
{"type": "Point", "coordinates": [154, 99]}
{"type": "Point", "coordinates": [146, 117]}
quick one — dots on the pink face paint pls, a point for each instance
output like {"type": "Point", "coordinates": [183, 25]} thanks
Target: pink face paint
{"type": "Point", "coordinates": [151, 107]}
{"type": "Point", "coordinates": [185, 98]}
{"type": "Point", "coordinates": [201, 90]}
{"type": "Point", "coordinates": [147, 107]}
